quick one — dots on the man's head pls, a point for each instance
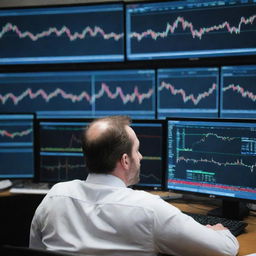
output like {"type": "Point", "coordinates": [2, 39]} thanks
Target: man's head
{"type": "Point", "coordinates": [110, 145]}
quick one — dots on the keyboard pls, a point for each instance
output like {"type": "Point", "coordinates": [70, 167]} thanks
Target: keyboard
{"type": "Point", "coordinates": [30, 188]}
{"type": "Point", "coordinates": [236, 227]}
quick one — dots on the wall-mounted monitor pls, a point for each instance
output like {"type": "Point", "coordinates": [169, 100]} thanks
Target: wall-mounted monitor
{"type": "Point", "coordinates": [190, 29]}
{"type": "Point", "coordinates": [80, 93]}
{"type": "Point", "coordinates": [89, 33]}
{"type": "Point", "coordinates": [238, 92]}
{"type": "Point", "coordinates": [192, 92]}
{"type": "Point", "coordinates": [16, 146]}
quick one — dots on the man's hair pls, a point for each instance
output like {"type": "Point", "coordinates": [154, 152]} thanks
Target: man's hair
{"type": "Point", "coordinates": [104, 150]}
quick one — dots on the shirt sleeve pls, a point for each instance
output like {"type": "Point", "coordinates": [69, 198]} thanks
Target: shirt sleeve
{"type": "Point", "coordinates": [35, 240]}
{"type": "Point", "coordinates": [179, 234]}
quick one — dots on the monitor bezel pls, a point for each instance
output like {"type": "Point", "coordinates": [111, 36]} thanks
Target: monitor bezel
{"type": "Point", "coordinates": [32, 178]}
{"type": "Point", "coordinates": [202, 194]}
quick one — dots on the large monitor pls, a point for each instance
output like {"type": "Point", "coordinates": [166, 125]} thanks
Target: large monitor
{"type": "Point", "coordinates": [80, 93]}
{"type": "Point", "coordinates": [238, 92]}
{"type": "Point", "coordinates": [213, 157]}
{"type": "Point", "coordinates": [16, 146]}
{"type": "Point", "coordinates": [192, 92]}
{"type": "Point", "coordinates": [189, 29]}
{"type": "Point", "coordinates": [60, 155]}
{"type": "Point", "coordinates": [88, 33]}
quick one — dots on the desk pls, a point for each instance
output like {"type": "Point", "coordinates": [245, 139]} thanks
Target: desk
{"type": "Point", "coordinates": [246, 240]}
{"type": "Point", "coordinates": [29, 202]}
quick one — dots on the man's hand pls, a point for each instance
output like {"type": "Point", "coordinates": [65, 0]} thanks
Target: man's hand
{"type": "Point", "coordinates": [216, 226]}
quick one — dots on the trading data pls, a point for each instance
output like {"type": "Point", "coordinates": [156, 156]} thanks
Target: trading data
{"type": "Point", "coordinates": [184, 29]}
{"type": "Point", "coordinates": [212, 157]}
{"type": "Point", "coordinates": [79, 93]}
{"type": "Point", "coordinates": [16, 146]}
{"type": "Point", "coordinates": [188, 92]}
{"type": "Point", "coordinates": [64, 34]}
{"type": "Point", "coordinates": [151, 136]}
{"type": "Point", "coordinates": [238, 91]}
{"type": "Point", "coordinates": [61, 156]}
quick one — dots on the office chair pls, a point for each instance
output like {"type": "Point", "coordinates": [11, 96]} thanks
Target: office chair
{"type": "Point", "coordinates": [10, 250]}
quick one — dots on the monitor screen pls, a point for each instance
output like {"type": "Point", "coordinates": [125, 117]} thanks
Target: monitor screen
{"type": "Point", "coordinates": [192, 92]}
{"type": "Point", "coordinates": [212, 157]}
{"type": "Point", "coordinates": [151, 134]}
{"type": "Point", "coordinates": [189, 29]}
{"type": "Point", "coordinates": [61, 158]}
{"type": "Point", "coordinates": [238, 92]}
{"type": "Point", "coordinates": [80, 93]}
{"type": "Point", "coordinates": [62, 34]}
{"type": "Point", "coordinates": [16, 146]}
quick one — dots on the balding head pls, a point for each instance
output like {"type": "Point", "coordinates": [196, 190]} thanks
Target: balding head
{"type": "Point", "coordinates": [105, 141]}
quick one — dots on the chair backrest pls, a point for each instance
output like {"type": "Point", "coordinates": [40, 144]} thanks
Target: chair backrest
{"type": "Point", "coordinates": [10, 250]}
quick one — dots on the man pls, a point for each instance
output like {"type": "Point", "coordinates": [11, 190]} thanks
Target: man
{"type": "Point", "coordinates": [102, 216]}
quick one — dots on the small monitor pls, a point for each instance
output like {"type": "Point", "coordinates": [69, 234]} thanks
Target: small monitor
{"type": "Point", "coordinates": [17, 146]}
{"type": "Point", "coordinates": [190, 29]}
{"type": "Point", "coordinates": [187, 92]}
{"type": "Point", "coordinates": [151, 134]}
{"type": "Point", "coordinates": [76, 94]}
{"type": "Point", "coordinates": [238, 92]}
{"type": "Point", "coordinates": [90, 33]}
{"type": "Point", "coordinates": [60, 156]}
{"type": "Point", "coordinates": [213, 157]}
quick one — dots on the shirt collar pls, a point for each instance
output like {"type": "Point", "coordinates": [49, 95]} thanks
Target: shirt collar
{"type": "Point", "coordinates": [105, 179]}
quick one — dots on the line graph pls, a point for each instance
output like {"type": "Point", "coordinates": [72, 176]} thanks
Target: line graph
{"type": "Point", "coordinates": [13, 135]}
{"type": "Point", "coordinates": [63, 31]}
{"type": "Point", "coordinates": [225, 149]}
{"type": "Point", "coordinates": [184, 30]}
{"type": "Point", "coordinates": [241, 91]}
{"type": "Point", "coordinates": [62, 34]}
{"type": "Point", "coordinates": [238, 93]}
{"type": "Point", "coordinates": [83, 96]}
{"type": "Point", "coordinates": [238, 162]}
{"type": "Point", "coordinates": [191, 97]}
{"type": "Point", "coordinates": [195, 33]}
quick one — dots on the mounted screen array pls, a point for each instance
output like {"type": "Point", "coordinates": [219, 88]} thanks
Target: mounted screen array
{"type": "Point", "coordinates": [100, 33]}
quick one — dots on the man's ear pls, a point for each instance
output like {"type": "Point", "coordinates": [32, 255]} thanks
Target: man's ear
{"type": "Point", "coordinates": [125, 161]}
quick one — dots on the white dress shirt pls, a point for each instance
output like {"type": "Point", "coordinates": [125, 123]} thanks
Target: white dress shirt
{"type": "Point", "coordinates": [101, 216]}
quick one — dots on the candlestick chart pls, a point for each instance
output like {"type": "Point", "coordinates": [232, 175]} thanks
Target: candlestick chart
{"type": "Point", "coordinates": [190, 92]}
{"type": "Point", "coordinates": [79, 93]}
{"type": "Point", "coordinates": [63, 34]}
{"type": "Point", "coordinates": [185, 29]}
{"type": "Point", "coordinates": [238, 93]}
{"type": "Point", "coordinates": [16, 142]}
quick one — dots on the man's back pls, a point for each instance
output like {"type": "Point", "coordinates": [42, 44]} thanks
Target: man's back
{"type": "Point", "coordinates": [103, 217]}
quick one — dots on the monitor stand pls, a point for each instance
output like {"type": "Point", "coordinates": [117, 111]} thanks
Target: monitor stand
{"type": "Point", "coordinates": [231, 209]}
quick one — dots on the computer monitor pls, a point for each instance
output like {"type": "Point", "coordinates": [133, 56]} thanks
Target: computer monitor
{"type": "Point", "coordinates": [17, 146]}
{"type": "Point", "coordinates": [238, 92]}
{"type": "Point", "coordinates": [60, 155]}
{"type": "Point", "coordinates": [77, 94]}
{"type": "Point", "coordinates": [151, 134]}
{"type": "Point", "coordinates": [213, 157]}
{"type": "Point", "coordinates": [90, 33]}
{"type": "Point", "coordinates": [59, 151]}
{"type": "Point", "coordinates": [190, 29]}
{"type": "Point", "coordinates": [187, 92]}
